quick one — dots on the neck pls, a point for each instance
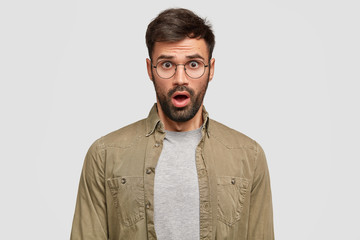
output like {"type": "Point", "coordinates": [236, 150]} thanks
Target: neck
{"type": "Point", "coordinates": [190, 125]}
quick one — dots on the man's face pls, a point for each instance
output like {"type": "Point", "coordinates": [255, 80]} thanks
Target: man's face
{"type": "Point", "coordinates": [180, 96]}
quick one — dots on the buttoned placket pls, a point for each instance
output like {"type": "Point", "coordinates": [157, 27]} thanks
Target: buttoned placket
{"type": "Point", "coordinates": [153, 151]}
{"type": "Point", "coordinates": [204, 190]}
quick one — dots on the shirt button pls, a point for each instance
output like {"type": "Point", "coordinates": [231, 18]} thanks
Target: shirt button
{"type": "Point", "coordinates": [206, 206]}
{"type": "Point", "coordinates": [157, 144]}
{"type": "Point", "coordinates": [148, 171]}
{"type": "Point", "coordinates": [148, 205]}
{"type": "Point", "coordinates": [202, 173]}
{"type": "Point", "coordinates": [123, 180]}
{"type": "Point", "coordinates": [233, 181]}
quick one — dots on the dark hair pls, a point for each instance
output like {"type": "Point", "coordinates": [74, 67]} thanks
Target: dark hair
{"type": "Point", "coordinates": [175, 24]}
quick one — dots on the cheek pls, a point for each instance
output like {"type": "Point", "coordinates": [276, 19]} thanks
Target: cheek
{"type": "Point", "coordinates": [161, 85]}
{"type": "Point", "coordinates": [200, 85]}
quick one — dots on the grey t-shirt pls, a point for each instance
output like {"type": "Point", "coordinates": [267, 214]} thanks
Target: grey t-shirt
{"type": "Point", "coordinates": [176, 189]}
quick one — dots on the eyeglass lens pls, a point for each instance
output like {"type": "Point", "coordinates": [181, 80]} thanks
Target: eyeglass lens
{"type": "Point", "coordinates": [167, 69]}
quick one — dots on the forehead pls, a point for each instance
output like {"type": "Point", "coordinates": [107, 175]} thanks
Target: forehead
{"type": "Point", "coordinates": [181, 49]}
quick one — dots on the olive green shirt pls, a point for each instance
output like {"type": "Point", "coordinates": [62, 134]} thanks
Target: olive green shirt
{"type": "Point", "coordinates": [116, 191]}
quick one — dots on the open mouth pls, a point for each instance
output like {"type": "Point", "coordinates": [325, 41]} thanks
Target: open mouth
{"type": "Point", "coordinates": [180, 99]}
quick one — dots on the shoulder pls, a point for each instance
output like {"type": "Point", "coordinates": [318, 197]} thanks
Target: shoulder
{"type": "Point", "coordinates": [121, 138]}
{"type": "Point", "coordinates": [231, 138]}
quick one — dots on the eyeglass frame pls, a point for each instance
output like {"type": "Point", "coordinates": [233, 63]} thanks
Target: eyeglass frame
{"type": "Point", "coordinates": [176, 65]}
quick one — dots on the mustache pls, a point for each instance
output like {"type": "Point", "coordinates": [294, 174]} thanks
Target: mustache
{"type": "Point", "coordinates": [181, 89]}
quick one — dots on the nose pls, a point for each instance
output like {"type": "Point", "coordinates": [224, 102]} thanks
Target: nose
{"type": "Point", "coordinates": [180, 77]}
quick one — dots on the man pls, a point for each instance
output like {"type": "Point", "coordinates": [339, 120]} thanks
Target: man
{"type": "Point", "coordinates": [176, 174]}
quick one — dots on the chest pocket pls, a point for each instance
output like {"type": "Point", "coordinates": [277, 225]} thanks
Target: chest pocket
{"type": "Point", "coordinates": [231, 196]}
{"type": "Point", "coordinates": [128, 196]}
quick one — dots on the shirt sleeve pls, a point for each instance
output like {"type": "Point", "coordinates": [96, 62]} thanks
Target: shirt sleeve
{"type": "Point", "coordinates": [261, 212]}
{"type": "Point", "coordinates": [90, 218]}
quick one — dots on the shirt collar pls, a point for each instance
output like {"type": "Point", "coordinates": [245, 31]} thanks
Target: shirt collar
{"type": "Point", "coordinates": [153, 121]}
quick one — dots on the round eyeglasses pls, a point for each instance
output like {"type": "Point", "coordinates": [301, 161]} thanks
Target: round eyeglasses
{"type": "Point", "coordinates": [193, 68]}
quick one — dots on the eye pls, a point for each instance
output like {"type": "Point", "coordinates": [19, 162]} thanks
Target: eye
{"type": "Point", "coordinates": [193, 64]}
{"type": "Point", "coordinates": [166, 65]}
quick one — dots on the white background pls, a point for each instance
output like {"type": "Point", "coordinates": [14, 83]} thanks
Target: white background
{"type": "Point", "coordinates": [287, 75]}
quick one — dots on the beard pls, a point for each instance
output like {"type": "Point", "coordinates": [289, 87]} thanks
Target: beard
{"type": "Point", "coordinates": [182, 114]}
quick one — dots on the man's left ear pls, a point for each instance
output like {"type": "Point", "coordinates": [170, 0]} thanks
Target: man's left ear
{"type": "Point", "coordinates": [212, 68]}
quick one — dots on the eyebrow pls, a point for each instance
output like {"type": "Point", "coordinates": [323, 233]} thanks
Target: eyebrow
{"type": "Point", "coordinates": [165, 57]}
{"type": "Point", "coordinates": [195, 56]}
{"type": "Point", "coordinates": [169, 57]}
